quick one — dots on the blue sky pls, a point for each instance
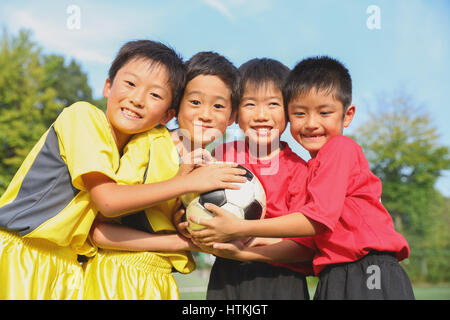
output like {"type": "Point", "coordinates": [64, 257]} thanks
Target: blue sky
{"type": "Point", "coordinates": [409, 53]}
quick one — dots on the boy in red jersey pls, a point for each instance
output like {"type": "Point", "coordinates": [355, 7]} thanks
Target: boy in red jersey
{"type": "Point", "coordinates": [261, 116]}
{"type": "Point", "coordinates": [358, 247]}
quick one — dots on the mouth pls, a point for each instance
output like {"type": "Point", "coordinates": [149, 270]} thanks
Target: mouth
{"type": "Point", "coordinates": [262, 130]}
{"type": "Point", "coordinates": [202, 125]}
{"type": "Point", "coordinates": [130, 114]}
{"type": "Point", "coordinates": [312, 137]}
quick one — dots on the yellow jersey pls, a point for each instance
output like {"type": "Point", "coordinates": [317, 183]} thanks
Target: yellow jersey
{"type": "Point", "coordinates": [47, 199]}
{"type": "Point", "coordinates": [160, 161]}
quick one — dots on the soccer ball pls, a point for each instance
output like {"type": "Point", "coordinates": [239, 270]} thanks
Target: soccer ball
{"type": "Point", "coordinates": [249, 202]}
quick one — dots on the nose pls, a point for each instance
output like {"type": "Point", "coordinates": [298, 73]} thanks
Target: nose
{"type": "Point", "coordinates": [261, 113]}
{"type": "Point", "coordinates": [205, 114]}
{"type": "Point", "coordinates": [311, 122]}
{"type": "Point", "coordinates": [137, 98]}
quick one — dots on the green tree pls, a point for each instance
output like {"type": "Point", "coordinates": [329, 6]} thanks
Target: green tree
{"type": "Point", "coordinates": [22, 99]}
{"type": "Point", "coordinates": [67, 79]}
{"type": "Point", "coordinates": [403, 149]}
{"type": "Point", "coordinates": [34, 88]}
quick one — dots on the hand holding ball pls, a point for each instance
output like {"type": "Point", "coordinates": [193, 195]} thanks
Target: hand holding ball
{"type": "Point", "coordinates": [249, 202]}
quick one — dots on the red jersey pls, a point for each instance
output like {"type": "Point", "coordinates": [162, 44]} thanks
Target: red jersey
{"type": "Point", "coordinates": [344, 196]}
{"type": "Point", "coordinates": [283, 178]}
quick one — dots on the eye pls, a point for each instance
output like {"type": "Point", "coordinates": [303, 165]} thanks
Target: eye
{"type": "Point", "coordinates": [218, 106]}
{"type": "Point", "coordinates": [129, 83]}
{"type": "Point", "coordinates": [273, 103]}
{"type": "Point", "coordinates": [325, 113]}
{"type": "Point", "coordinates": [157, 96]}
{"type": "Point", "coordinates": [299, 114]}
{"type": "Point", "coordinates": [195, 102]}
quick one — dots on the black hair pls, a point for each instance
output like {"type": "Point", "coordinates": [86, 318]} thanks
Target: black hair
{"type": "Point", "coordinates": [320, 73]}
{"type": "Point", "coordinates": [155, 52]}
{"type": "Point", "coordinates": [260, 71]}
{"type": "Point", "coordinates": [212, 63]}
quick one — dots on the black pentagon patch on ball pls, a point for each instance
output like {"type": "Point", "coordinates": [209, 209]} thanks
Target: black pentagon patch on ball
{"type": "Point", "coordinates": [216, 197]}
{"type": "Point", "coordinates": [253, 211]}
{"type": "Point", "coordinates": [248, 173]}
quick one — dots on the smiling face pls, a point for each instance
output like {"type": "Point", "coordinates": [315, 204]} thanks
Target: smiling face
{"type": "Point", "coordinates": [138, 99]}
{"type": "Point", "coordinates": [205, 109]}
{"type": "Point", "coordinates": [316, 117]}
{"type": "Point", "coordinates": [261, 115]}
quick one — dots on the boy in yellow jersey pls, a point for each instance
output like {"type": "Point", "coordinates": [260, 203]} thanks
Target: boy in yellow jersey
{"type": "Point", "coordinates": [119, 272]}
{"type": "Point", "coordinates": [70, 174]}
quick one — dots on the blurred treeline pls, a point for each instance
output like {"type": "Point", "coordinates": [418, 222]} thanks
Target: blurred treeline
{"type": "Point", "coordinates": [399, 140]}
{"type": "Point", "coordinates": [34, 88]}
{"type": "Point", "coordinates": [404, 150]}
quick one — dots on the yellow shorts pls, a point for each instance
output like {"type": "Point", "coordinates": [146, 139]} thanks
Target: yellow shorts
{"type": "Point", "coordinates": [34, 269]}
{"type": "Point", "coordinates": [124, 275]}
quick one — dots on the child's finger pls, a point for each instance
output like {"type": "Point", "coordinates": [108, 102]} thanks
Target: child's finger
{"type": "Point", "coordinates": [233, 171]}
{"type": "Point", "coordinates": [182, 228]}
{"type": "Point", "coordinates": [201, 221]}
{"type": "Point", "coordinates": [235, 178]}
{"type": "Point", "coordinates": [199, 235]}
{"type": "Point", "coordinates": [204, 241]}
{"type": "Point", "coordinates": [225, 165]}
{"type": "Point", "coordinates": [214, 209]}
{"type": "Point", "coordinates": [178, 216]}
{"type": "Point", "coordinates": [231, 185]}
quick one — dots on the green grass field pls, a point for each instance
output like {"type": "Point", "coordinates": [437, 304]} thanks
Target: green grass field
{"type": "Point", "coordinates": [193, 287]}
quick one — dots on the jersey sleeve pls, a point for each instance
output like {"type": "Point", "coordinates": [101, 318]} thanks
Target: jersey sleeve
{"type": "Point", "coordinates": [86, 142]}
{"type": "Point", "coordinates": [330, 176]}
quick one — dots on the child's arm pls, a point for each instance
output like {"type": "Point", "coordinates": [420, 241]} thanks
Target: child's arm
{"type": "Point", "coordinates": [117, 237]}
{"type": "Point", "coordinates": [335, 167]}
{"type": "Point", "coordinates": [114, 200]}
{"type": "Point", "coordinates": [225, 227]}
{"type": "Point", "coordinates": [286, 251]}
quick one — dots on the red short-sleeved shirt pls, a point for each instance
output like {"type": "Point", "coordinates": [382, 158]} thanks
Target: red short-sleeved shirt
{"type": "Point", "coordinates": [283, 178]}
{"type": "Point", "coordinates": [344, 195]}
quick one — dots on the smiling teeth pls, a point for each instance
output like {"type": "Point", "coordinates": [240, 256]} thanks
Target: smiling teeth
{"type": "Point", "coordinates": [130, 113]}
{"type": "Point", "coordinates": [262, 130]}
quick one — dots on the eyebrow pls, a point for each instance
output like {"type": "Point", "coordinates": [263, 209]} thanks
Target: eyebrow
{"type": "Point", "coordinates": [318, 107]}
{"type": "Point", "coordinates": [153, 85]}
{"type": "Point", "coordinates": [202, 93]}
{"type": "Point", "coordinates": [268, 98]}
{"type": "Point", "coordinates": [131, 73]}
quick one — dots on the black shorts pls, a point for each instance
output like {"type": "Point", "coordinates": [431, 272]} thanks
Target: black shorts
{"type": "Point", "coordinates": [235, 280]}
{"type": "Point", "coordinates": [376, 276]}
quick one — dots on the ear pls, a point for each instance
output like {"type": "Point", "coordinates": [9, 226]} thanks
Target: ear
{"type": "Point", "coordinates": [107, 88]}
{"type": "Point", "coordinates": [348, 117]}
{"type": "Point", "coordinates": [168, 116]}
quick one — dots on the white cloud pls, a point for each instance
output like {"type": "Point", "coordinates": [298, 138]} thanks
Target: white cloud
{"type": "Point", "coordinates": [102, 28]}
{"type": "Point", "coordinates": [228, 8]}
{"type": "Point", "coordinates": [54, 36]}
{"type": "Point", "coordinates": [220, 6]}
